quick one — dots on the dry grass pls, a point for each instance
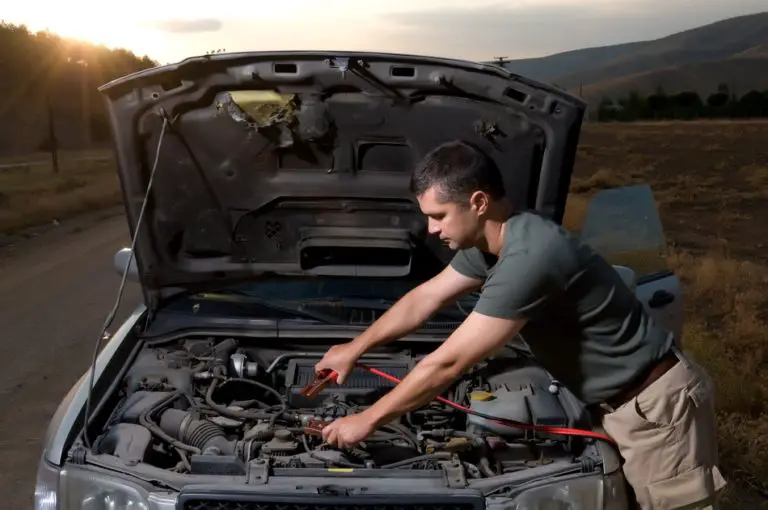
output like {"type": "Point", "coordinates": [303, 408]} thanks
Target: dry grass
{"type": "Point", "coordinates": [31, 194]}
{"type": "Point", "coordinates": [711, 184]}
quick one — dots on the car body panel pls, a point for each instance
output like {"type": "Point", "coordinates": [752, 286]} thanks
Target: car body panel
{"type": "Point", "coordinates": [65, 421]}
{"type": "Point", "coordinates": [662, 297]}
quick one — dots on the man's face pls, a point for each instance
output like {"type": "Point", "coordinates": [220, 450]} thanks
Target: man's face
{"type": "Point", "coordinates": [456, 224]}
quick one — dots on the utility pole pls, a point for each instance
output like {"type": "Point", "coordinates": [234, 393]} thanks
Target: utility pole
{"type": "Point", "coordinates": [85, 103]}
{"type": "Point", "coordinates": [53, 144]}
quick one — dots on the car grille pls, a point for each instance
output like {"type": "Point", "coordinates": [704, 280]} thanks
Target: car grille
{"type": "Point", "coordinates": [211, 504]}
{"type": "Point", "coordinates": [202, 499]}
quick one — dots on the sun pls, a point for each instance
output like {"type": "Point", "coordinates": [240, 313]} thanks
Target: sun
{"type": "Point", "coordinates": [130, 36]}
{"type": "Point", "coordinates": [110, 30]}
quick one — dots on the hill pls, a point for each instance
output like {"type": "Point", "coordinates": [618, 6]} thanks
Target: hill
{"type": "Point", "coordinates": [41, 68]}
{"type": "Point", "coordinates": [552, 67]}
{"type": "Point", "coordinates": [740, 74]}
{"type": "Point", "coordinates": [678, 59]}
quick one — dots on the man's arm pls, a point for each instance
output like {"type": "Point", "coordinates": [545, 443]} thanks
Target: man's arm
{"type": "Point", "coordinates": [414, 308]}
{"type": "Point", "coordinates": [478, 337]}
{"type": "Point", "coordinates": [523, 283]}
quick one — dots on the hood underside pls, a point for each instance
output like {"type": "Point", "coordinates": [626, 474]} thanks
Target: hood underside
{"type": "Point", "coordinates": [299, 163]}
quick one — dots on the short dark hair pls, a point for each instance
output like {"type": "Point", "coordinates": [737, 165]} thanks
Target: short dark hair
{"type": "Point", "coordinates": [459, 169]}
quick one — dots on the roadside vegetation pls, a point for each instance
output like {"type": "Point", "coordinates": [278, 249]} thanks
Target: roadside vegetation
{"type": "Point", "coordinates": [48, 91]}
{"type": "Point", "coordinates": [685, 105]}
{"type": "Point", "coordinates": [31, 194]}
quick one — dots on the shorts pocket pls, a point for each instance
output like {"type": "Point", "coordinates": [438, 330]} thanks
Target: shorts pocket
{"type": "Point", "coordinates": [664, 410]}
{"type": "Point", "coordinates": [696, 488]}
{"type": "Point", "coordinates": [662, 407]}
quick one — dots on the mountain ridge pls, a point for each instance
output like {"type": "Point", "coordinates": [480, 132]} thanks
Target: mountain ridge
{"type": "Point", "coordinates": [737, 47]}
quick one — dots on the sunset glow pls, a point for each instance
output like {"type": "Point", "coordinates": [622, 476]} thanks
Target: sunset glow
{"type": "Point", "coordinates": [172, 30]}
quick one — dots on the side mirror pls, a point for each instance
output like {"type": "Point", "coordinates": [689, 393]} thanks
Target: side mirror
{"type": "Point", "coordinates": [121, 260]}
{"type": "Point", "coordinates": [628, 276]}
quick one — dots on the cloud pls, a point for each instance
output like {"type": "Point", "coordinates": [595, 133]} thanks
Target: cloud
{"type": "Point", "coordinates": [189, 26]}
{"type": "Point", "coordinates": [530, 29]}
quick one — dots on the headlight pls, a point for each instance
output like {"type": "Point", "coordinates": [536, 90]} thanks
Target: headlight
{"type": "Point", "coordinates": [577, 493]}
{"type": "Point", "coordinates": [47, 486]}
{"type": "Point", "coordinates": [584, 493]}
{"type": "Point", "coordinates": [615, 492]}
{"type": "Point", "coordinates": [87, 490]}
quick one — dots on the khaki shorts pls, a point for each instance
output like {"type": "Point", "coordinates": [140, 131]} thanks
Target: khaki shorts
{"type": "Point", "coordinates": [667, 438]}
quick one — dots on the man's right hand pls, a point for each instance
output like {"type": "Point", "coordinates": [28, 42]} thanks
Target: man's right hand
{"type": "Point", "coordinates": [341, 359]}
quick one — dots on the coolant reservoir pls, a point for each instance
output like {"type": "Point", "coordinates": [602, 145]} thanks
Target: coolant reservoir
{"type": "Point", "coordinates": [510, 405]}
{"type": "Point", "coordinates": [530, 405]}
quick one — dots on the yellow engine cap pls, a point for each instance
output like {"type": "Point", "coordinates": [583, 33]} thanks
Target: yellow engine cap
{"type": "Point", "coordinates": [480, 395]}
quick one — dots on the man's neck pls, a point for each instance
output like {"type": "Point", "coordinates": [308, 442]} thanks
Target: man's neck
{"type": "Point", "coordinates": [493, 237]}
{"type": "Point", "coordinates": [493, 231]}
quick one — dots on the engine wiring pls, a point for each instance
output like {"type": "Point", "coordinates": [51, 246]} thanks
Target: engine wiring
{"type": "Point", "coordinates": [565, 431]}
{"type": "Point", "coordinates": [188, 410]}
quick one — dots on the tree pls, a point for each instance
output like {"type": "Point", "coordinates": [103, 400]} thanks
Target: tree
{"type": "Point", "coordinates": [751, 104]}
{"type": "Point", "coordinates": [658, 104]}
{"type": "Point", "coordinates": [48, 78]}
{"type": "Point", "coordinates": [686, 105]}
{"type": "Point", "coordinates": [718, 99]}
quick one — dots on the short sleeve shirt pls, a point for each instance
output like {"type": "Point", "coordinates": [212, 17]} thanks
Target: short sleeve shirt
{"type": "Point", "coordinates": [585, 326]}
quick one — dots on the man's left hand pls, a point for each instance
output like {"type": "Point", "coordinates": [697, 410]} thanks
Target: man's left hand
{"type": "Point", "coordinates": [348, 431]}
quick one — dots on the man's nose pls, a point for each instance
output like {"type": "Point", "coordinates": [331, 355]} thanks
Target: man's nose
{"type": "Point", "coordinates": [433, 227]}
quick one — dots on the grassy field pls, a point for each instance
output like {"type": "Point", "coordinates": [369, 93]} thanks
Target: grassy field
{"type": "Point", "coordinates": [711, 183]}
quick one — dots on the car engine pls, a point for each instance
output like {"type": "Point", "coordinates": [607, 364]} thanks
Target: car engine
{"type": "Point", "coordinates": [210, 406]}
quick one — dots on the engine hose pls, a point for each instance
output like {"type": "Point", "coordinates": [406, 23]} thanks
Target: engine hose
{"type": "Point", "coordinates": [146, 421]}
{"type": "Point", "coordinates": [485, 467]}
{"type": "Point", "coordinates": [271, 416]}
{"type": "Point", "coordinates": [419, 458]}
{"type": "Point", "coordinates": [565, 431]}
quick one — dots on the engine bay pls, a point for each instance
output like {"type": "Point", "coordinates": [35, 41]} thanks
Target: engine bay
{"type": "Point", "coordinates": [210, 406]}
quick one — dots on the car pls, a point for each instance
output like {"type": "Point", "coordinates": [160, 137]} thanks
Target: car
{"type": "Point", "coordinates": [268, 200]}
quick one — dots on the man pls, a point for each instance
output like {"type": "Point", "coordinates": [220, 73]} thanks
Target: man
{"type": "Point", "coordinates": [579, 319]}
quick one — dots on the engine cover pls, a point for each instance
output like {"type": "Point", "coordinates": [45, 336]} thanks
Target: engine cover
{"type": "Point", "coordinates": [361, 387]}
{"type": "Point", "coordinates": [531, 405]}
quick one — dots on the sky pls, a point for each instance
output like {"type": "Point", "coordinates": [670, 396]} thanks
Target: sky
{"type": "Point", "coordinates": [170, 30]}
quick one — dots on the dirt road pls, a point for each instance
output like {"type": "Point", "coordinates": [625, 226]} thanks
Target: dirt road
{"type": "Point", "coordinates": [55, 292]}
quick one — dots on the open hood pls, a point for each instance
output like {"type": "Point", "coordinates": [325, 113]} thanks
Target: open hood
{"type": "Point", "coordinates": [299, 162]}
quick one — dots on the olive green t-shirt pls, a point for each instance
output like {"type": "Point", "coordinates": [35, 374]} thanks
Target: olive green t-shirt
{"type": "Point", "coordinates": [585, 326]}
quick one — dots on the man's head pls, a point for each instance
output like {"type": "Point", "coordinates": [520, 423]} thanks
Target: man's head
{"type": "Point", "coordinates": [459, 188]}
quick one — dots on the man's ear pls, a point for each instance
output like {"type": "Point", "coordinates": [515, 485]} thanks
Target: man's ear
{"type": "Point", "coordinates": [479, 201]}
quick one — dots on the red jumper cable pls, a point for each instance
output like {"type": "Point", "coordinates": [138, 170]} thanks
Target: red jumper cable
{"type": "Point", "coordinates": [327, 377]}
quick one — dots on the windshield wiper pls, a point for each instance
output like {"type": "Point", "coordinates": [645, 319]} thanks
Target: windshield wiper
{"type": "Point", "coordinates": [295, 309]}
{"type": "Point", "coordinates": [370, 303]}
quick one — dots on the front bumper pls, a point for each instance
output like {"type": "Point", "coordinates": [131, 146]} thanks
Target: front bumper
{"type": "Point", "coordinates": [77, 487]}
